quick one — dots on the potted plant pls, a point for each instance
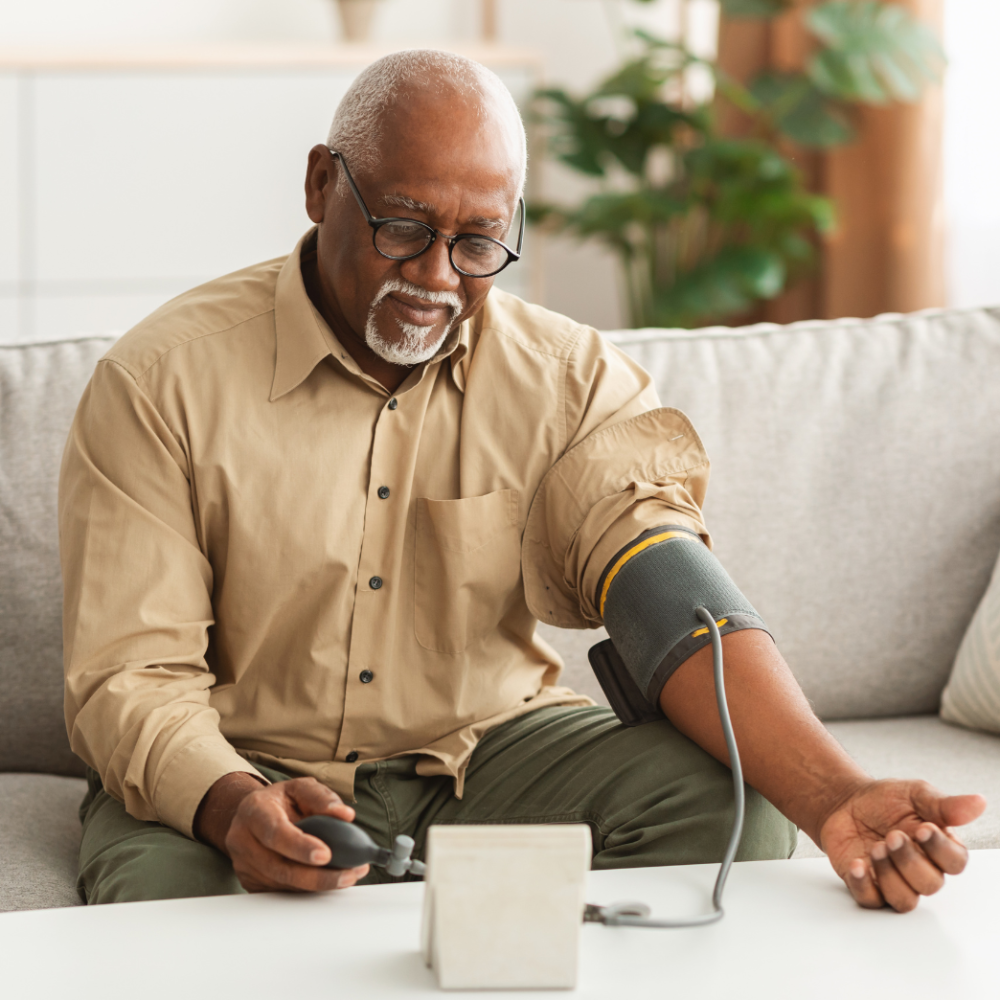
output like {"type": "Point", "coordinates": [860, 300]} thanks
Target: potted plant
{"type": "Point", "coordinates": [706, 225]}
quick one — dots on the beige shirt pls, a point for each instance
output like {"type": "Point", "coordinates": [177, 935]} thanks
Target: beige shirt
{"type": "Point", "coordinates": [269, 558]}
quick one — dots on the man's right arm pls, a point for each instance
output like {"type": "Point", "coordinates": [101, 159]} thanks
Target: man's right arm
{"type": "Point", "coordinates": [137, 609]}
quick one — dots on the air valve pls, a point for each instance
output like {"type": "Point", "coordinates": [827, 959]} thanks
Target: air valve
{"type": "Point", "coordinates": [351, 847]}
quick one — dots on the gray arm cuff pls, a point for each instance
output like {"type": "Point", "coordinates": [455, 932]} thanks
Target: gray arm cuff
{"type": "Point", "coordinates": [648, 595]}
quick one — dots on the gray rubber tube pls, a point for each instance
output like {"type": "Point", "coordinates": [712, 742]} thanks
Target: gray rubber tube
{"type": "Point", "coordinates": [636, 914]}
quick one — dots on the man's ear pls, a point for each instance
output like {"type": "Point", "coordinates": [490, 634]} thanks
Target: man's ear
{"type": "Point", "coordinates": [320, 175]}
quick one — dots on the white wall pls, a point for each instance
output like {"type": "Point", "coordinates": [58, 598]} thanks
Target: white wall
{"type": "Point", "coordinates": [972, 151]}
{"type": "Point", "coordinates": [102, 22]}
{"type": "Point", "coordinates": [579, 41]}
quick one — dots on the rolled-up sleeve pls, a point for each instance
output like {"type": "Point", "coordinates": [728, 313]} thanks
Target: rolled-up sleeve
{"type": "Point", "coordinates": [630, 465]}
{"type": "Point", "coordinates": [137, 608]}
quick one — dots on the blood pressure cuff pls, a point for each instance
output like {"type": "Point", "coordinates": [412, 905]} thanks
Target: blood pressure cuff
{"type": "Point", "coordinates": [647, 596]}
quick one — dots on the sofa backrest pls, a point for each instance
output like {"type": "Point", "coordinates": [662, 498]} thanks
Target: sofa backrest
{"type": "Point", "coordinates": [40, 386]}
{"type": "Point", "coordinates": [855, 497]}
{"type": "Point", "coordinates": [855, 490]}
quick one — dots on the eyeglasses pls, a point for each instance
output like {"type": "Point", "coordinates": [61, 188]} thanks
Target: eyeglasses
{"type": "Point", "coordinates": [471, 254]}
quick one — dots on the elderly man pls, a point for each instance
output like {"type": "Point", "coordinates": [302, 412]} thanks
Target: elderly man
{"type": "Point", "coordinates": [311, 512]}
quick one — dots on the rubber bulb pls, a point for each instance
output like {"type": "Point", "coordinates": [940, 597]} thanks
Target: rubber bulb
{"type": "Point", "coordinates": [349, 845]}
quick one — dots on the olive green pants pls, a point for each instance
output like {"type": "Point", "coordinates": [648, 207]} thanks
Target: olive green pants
{"type": "Point", "coordinates": [650, 796]}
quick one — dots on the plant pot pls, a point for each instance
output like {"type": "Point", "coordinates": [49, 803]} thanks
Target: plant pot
{"type": "Point", "coordinates": [356, 18]}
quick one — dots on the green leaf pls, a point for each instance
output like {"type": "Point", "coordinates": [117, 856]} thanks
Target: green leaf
{"type": "Point", "coordinates": [578, 140]}
{"type": "Point", "coordinates": [704, 225]}
{"type": "Point", "coordinates": [822, 212]}
{"type": "Point", "coordinates": [762, 272]}
{"type": "Point", "coordinates": [874, 52]}
{"type": "Point", "coordinates": [801, 111]}
{"type": "Point", "coordinates": [611, 215]}
{"type": "Point", "coordinates": [754, 8]}
{"type": "Point", "coordinates": [621, 120]}
{"type": "Point", "coordinates": [638, 79]}
{"type": "Point", "coordinates": [728, 283]}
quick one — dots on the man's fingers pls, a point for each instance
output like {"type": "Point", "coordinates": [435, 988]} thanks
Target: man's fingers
{"type": "Point", "coordinates": [270, 818]}
{"type": "Point", "coordinates": [269, 851]}
{"type": "Point", "coordinates": [287, 876]}
{"type": "Point", "coordinates": [312, 798]}
{"type": "Point", "coordinates": [351, 876]}
{"type": "Point", "coordinates": [946, 810]}
{"type": "Point", "coordinates": [894, 888]}
{"type": "Point", "coordinates": [944, 849]}
{"type": "Point", "coordinates": [921, 874]}
{"type": "Point", "coordinates": [961, 809]}
{"type": "Point", "coordinates": [260, 870]}
{"type": "Point", "coordinates": [267, 822]}
{"type": "Point", "coordinates": [862, 886]}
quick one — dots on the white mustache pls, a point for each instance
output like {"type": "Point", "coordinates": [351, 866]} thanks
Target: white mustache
{"type": "Point", "coordinates": [391, 285]}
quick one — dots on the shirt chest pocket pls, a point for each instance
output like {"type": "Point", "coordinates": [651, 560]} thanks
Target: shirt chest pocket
{"type": "Point", "coordinates": [468, 561]}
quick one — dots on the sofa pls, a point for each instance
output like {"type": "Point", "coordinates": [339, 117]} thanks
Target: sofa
{"type": "Point", "coordinates": [855, 498]}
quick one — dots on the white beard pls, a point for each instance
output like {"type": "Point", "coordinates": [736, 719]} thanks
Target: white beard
{"type": "Point", "coordinates": [414, 348]}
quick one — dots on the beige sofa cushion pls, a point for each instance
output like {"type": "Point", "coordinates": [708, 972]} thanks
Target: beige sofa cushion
{"type": "Point", "coordinates": [972, 697]}
{"type": "Point", "coordinates": [40, 386]}
{"type": "Point", "coordinates": [39, 840]}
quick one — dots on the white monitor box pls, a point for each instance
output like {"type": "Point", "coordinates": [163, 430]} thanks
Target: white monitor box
{"type": "Point", "coordinates": [504, 905]}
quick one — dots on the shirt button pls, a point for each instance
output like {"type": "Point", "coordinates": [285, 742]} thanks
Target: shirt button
{"type": "Point", "coordinates": [383, 493]}
{"type": "Point", "coordinates": [367, 677]}
{"type": "Point", "coordinates": [351, 757]}
{"type": "Point", "coordinates": [393, 403]}
{"type": "Point", "coordinates": [375, 582]}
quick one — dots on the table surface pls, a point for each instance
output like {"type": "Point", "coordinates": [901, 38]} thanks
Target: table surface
{"type": "Point", "coordinates": [790, 931]}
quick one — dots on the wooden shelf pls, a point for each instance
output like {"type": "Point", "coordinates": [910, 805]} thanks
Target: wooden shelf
{"type": "Point", "coordinates": [259, 57]}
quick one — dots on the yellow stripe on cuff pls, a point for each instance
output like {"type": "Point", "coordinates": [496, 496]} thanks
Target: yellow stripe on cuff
{"type": "Point", "coordinates": [704, 631]}
{"type": "Point", "coordinates": [635, 550]}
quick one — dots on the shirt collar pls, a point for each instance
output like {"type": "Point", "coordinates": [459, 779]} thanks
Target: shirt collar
{"type": "Point", "coordinates": [301, 342]}
{"type": "Point", "coordinates": [304, 338]}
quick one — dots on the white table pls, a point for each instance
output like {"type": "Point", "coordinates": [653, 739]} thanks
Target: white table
{"type": "Point", "coordinates": [791, 931]}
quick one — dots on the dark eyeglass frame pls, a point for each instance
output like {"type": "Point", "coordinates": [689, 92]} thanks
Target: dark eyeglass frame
{"type": "Point", "coordinates": [377, 224]}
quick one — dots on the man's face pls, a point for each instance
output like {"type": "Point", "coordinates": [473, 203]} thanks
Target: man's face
{"type": "Point", "coordinates": [444, 163]}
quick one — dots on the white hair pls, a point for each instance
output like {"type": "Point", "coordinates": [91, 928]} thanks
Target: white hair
{"type": "Point", "coordinates": [357, 125]}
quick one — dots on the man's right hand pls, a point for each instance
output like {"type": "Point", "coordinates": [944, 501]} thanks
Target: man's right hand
{"type": "Point", "coordinates": [254, 824]}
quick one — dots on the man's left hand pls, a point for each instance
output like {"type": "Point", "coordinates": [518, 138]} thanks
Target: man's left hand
{"type": "Point", "coordinates": [891, 841]}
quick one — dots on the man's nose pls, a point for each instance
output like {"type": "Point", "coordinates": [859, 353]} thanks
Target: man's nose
{"type": "Point", "coordinates": [432, 269]}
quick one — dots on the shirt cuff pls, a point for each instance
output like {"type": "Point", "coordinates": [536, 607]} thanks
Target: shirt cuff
{"type": "Point", "coordinates": [189, 775]}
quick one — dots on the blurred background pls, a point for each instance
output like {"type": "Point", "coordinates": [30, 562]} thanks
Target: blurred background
{"type": "Point", "coordinates": [692, 161]}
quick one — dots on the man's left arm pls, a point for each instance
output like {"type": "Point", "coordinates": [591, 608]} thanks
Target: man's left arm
{"type": "Point", "coordinates": [890, 841]}
{"type": "Point", "coordinates": [631, 469]}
